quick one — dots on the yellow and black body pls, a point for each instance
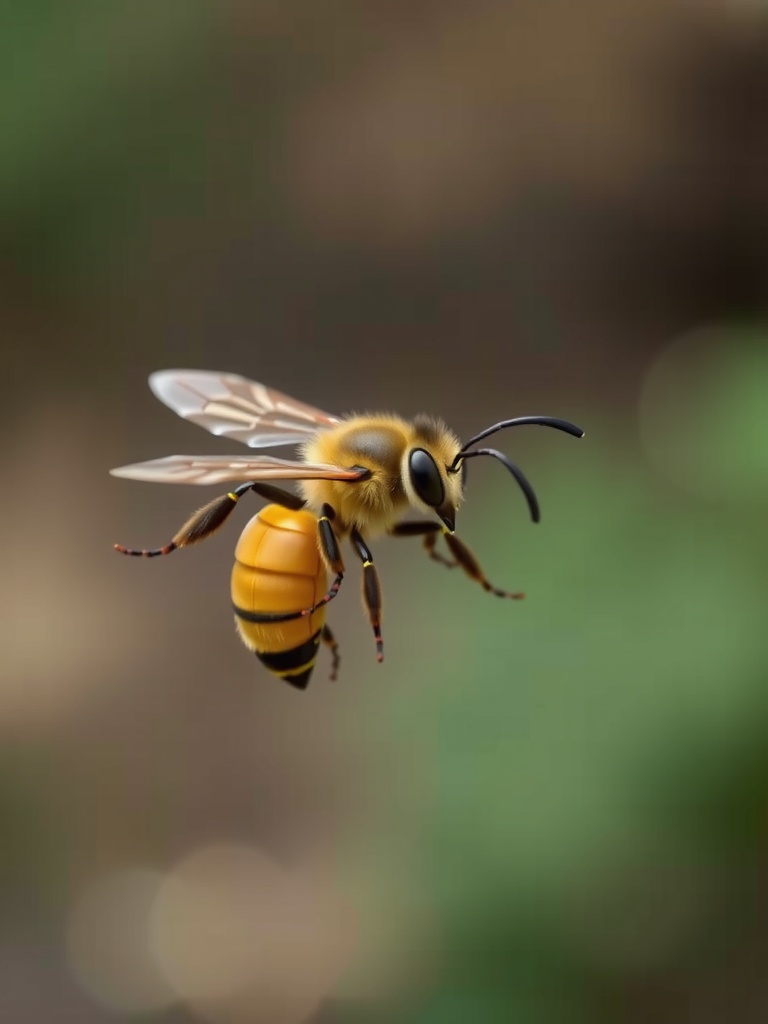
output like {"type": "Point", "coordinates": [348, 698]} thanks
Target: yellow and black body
{"type": "Point", "coordinates": [358, 476]}
{"type": "Point", "coordinates": [278, 569]}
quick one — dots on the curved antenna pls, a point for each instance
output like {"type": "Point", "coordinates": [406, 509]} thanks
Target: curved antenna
{"type": "Point", "coordinates": [519, 421]}
{"type": "Point", "coordinates": [516, 472]}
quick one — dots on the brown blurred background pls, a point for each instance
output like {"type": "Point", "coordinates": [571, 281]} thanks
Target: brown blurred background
{"type": "Point", "coordinates": [555, 811]}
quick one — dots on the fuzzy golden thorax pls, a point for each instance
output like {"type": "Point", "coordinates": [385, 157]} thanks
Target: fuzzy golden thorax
{"type": "Point", "coordinates": [382, 444]}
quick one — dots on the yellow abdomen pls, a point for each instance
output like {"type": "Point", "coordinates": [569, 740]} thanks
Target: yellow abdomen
{"type": "Point", "coordinates": [277, 569]}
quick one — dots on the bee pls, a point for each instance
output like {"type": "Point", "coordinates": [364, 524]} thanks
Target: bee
{"type": "Point", "coordinates": [357, 476]}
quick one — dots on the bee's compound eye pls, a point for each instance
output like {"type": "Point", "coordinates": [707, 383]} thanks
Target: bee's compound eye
{"type": "Point", "coordinates": [425, 477]}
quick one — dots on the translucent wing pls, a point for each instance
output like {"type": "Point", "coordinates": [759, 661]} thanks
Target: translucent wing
{"type": "Point", "coordinates": [213, 469]}
{"type": "Point", "coordinates": [231, 406]}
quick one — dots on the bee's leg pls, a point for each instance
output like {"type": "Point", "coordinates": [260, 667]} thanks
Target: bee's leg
{"type": "Point", "coordinates": [211, 516]}
{"type": "Point", "coordinates": [461, 553]}
{"type": "Point", "coordinates": [470, 565]}
{"type": "Point", "coordinates": [429, 531]}
{"type": "Point", "coordinates": [279, 497]}
{"type": "Point", "coordinates": [330, 641]}
{"type": "Point", "coordinates": [202, 524]}
{"type": "Point", "coordinates": [329, 547]}
{"type": "Point", "coordinates": [371, 590]}
{"type": "Point", "coordinates": [331, 554]}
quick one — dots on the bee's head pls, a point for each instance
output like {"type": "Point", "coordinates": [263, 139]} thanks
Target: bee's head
{"type": "Point", "coordinates": [428, 481]}
{"type": "Point", "coordinates": [434, 466]}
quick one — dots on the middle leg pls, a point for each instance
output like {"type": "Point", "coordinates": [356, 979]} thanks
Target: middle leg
{"type": "Point", "coordinates": [332, 557]}
{"type": "Point", "coordinates": [330, 641]}
{"type": "Point", "coordinates": [329, 546]}
{"type": "Point", "coordinates": [371, 590]}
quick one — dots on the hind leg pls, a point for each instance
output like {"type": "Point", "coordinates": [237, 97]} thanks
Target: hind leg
{"type": "Point", "coordinates": [330, 641]}
{"type": "Point", "coordinates": [210, 517]}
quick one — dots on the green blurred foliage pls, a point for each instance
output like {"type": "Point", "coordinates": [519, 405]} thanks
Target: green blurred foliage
{"type": "Point", "coordinates": [104, 116]}
{"type": "Point", "coordinates": [597, 779]}
{"type": "Point", "coordinates": [704, 413]}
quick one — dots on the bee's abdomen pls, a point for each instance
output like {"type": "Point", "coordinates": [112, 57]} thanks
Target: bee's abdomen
{"type": "Point", "coordinates": [278, 569]}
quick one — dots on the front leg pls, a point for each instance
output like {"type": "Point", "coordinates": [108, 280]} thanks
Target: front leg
{"type": "Point", "coordinates": [471, 567]}
{"type": "Point", "coordinates": [371, 590]}
{"type": "Point", "coordinates": [463, 556]}
{"type": "Point", "coordinates": [430, 531]}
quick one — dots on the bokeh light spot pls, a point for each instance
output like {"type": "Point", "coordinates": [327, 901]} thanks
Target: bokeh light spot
{"type": "Point", "coordinates": [108, 943]}
{"type": "Point", "coordinates": [240, 938]}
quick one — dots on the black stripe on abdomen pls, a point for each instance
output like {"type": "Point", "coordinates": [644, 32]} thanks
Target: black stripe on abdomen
{"type": "Point", "coordinates": [264, 618]}
{"type": "Point", "coordinates": [301, 659]}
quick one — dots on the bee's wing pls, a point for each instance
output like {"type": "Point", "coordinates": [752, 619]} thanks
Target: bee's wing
{"type": "Point", "coordinates": [214, 469]}
{"type": "Point", "coordinates": [231, 406]}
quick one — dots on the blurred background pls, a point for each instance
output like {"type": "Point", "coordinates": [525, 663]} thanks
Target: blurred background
{"type": "Point", "coordinates": [552, 811]}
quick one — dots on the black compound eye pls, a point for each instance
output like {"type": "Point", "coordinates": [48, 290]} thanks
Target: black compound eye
{"type": "Point", "coordinates": [425, 477]}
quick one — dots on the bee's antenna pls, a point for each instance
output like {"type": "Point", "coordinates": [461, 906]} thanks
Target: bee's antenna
{"type": "Point", "coordinates": [519, 421]}
{"type": "Point", "coordinates": [516, 472]}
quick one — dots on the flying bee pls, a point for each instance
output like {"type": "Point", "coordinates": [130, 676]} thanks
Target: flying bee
{"type": "Point", "coordinates": [357, 476]}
